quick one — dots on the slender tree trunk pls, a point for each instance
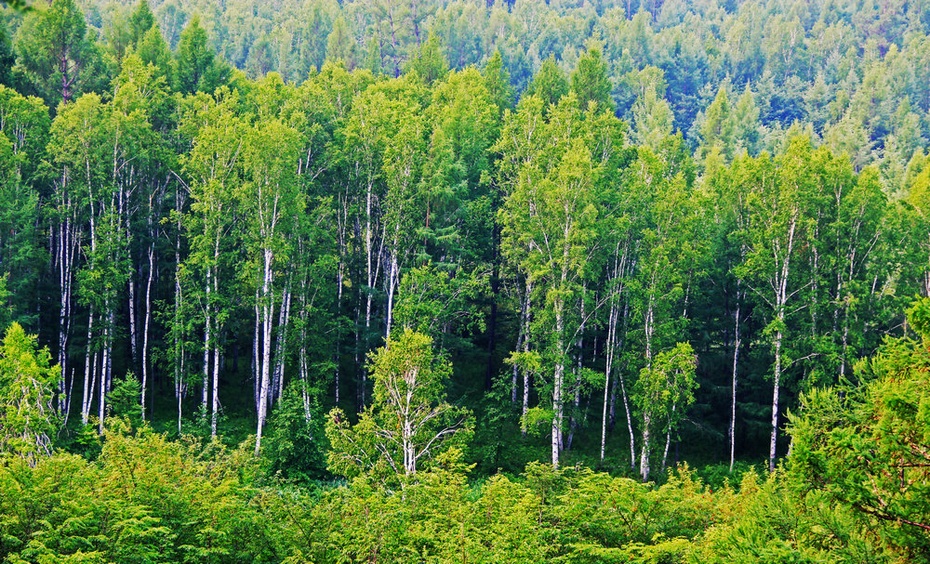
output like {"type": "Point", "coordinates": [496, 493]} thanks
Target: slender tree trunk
{"type": "Point", "coordinates": [736, 345]}
{"type": "Point", "coordinates": [392, 283]}
{"type": "Point", "coordinates": [178, 341]}
{"type": "Point", "coordinates": [644, 453]}
{"type": "Point", "coordinates": [106, 368]}
{"type": "Point", "coordinates": [521, 339]}
{"type": "Point", "coordinates": [256, 350]}
{"type": "Point", "coordinates": [215, 406]}
{"type": "Point", "coordinates": [67, 246]}
{"type": "Point", "coordinates": [527, 375]}
{"type": "Point", "coordinates": [608, 366]}
{"type": "Point", "coordinates": [576, 400]}
{"type": "Point", "coordinates": [88, 385]}
{"type": "Point", "coordinates": [668, 441]}
{"type": "Point", "coordinates": [147, 324]}
{"type": "Point", "coordinates": [340, 281]}
{"type": "Point", "coordinates": [492, 319]}
{"type": "Point", "coordinates": [776, 389]}
{"type": "Point", "coordinates": [208, 339]}
{"type": "Point", "coordinates": [781, 299]}
{"type": "Point", "coordinates": [177, 330]}
{"type": "Point", "coordinates": [267, 308]}
{"type": "Point", "coordinates": [370, 283]}
{"type": "Point", "coordinates": [133, 332]}
{"type": "Point", "coordinates": [303, 361]}
{"type": "Point", "coordinates": [557, 379]}
{"type": "Point", "coordinates": [281, 349]}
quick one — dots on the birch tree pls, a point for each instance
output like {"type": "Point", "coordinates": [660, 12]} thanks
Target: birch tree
{"type": "Point", "coordinates": [409, 422]}
{"type": "Point", "coordinates": [664, 391]}
{"type": "Point", "coordinates": [215, 173]}
{"type": "Point", "coordinates": [271, 191]}
{"type": "Point", "coordinates": [548, 230]}
{"type": "Point", "coordinates": [775, 237]}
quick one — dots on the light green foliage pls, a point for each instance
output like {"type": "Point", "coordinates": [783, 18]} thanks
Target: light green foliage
{"type": "Point", "coordinates": [409, 423]}
{"type": "Point", "coordinates": [153, 50]}
{"type": "Point", "coordinates": [244, 219]}
{"type": "Point", "coordinates": [140, 21]}
{"type": "Point", "coordinates": [19, 249]}
{"type": "Point", "coordinates": [145, 500]}
{"type": "Point", "coordinates": [662, 395]}
{"type": "Point", "coordinates": [452, 195]}
{"type": "Point", "coordinates": [766, 521]}
{"type": "Point", "coordinates": [25, 122]}
{"type": "Point", "coordinates": [497, 81]}
{"type": "Point", "coordinates": [123, 400]}
{"type": "Point", "coordinates": [549, 222]}
{"type": "Point", "coordinates": [431, 300]}
{"type": "Point", "coordinates": [745, 118]}
{"type": "Point", "coordinates": [296, 447]}
{"type": "Point", "coordinates": [717, 130]}
{"type": "Point", "coordinates": [27, 382]}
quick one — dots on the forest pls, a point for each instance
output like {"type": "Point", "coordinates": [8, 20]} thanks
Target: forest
{"type": "Point", "coordinates": [464, 281]}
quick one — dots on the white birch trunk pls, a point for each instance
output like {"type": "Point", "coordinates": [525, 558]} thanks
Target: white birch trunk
{"type": "Point", "coordinates": [557, 380]}
{"type": "Point", "coordinates": [267, 309]}
{"type": "Point", "coordinates": [281, 349]}
{"type": "Point", "coordinates": [644, 453]}
{"type": "Point", "coordinates": [527, 375]}
{"type": "Point", "coordinates": [88, 389]}
{"type": "Point", "coordinates": [781, 298]}
{"type": "Point", "coordinates": [736, 345]}
{"type": "Point", "coordinates": [207, 342]}
{"type": "Point", "coordinates": [608, 366]}
{"type": "Point", "coordinates": [147, 325]}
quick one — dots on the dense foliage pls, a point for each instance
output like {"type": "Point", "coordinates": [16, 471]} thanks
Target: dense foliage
{"type": "Point", "coordinates": [320, 281]}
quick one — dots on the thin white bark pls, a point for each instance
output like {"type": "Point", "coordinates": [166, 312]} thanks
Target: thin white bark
{"type": "Point", "coordinates": [267, 309]}
{"type": "Point", "coordinates": [557, 381]}
{"type": "Point", "coordinates": [609, 364]}
{"type": "Point", "coordinates": [527, 375]}
{"type": "Point", "coordinates": [281, 349]}
{"type": "Point", "coordinates": [147, 325]}
{"type": "Point", "coordinates": [644, 453]}
{"type": "Point", "coordinates": [88, 386]}
{"type": "Point", "coordinates": [781, 299]}
{"type": "Point", "coordinates": [736, 346]}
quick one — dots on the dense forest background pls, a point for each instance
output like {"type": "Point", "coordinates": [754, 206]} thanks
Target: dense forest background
{"type": "Point", "coordinates": [382, 245]}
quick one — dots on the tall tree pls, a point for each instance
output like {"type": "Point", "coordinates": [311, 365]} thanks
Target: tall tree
{"type": "Point", "coordinates": [196, 68]}
{"type": "Point", "coordinates": [56, 54]}
{"type": "Point", "coordinates": [549, 84]}
{"type": "Point", "coordinates": [549, 231]}
{"type": "Point", "coordinates": [7, 56]}
{"type": "Point", "coordinates": [590, 81]}
{"type": "Point", "coordinates": [777, 197]}
{"type": "Point", "coordinates": [215, 171]}
{"type": "Point", "coordinates": [497, 81]}
{"type": "Point", "coordinates": [428, 61]}
{"type": "Point", "coordinates": [270, 157]}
